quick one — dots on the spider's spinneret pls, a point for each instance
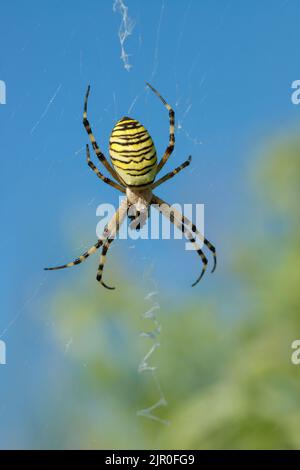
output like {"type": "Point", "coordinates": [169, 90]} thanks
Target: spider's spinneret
{"type": "Point", "coordinates": [133, 153]}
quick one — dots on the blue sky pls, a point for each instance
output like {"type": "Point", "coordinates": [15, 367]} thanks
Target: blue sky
{"type": "Point", "coordinates": [225, 66]}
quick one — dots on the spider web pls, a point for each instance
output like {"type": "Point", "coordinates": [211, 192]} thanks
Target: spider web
{"type": "Point", "coordinates": [125, 30]}
{"type": "Point", "coordinates": [145, 366]}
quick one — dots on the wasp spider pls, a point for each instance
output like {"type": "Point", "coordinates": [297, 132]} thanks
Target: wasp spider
{"type": "Point", "coordinates": [134, 170]}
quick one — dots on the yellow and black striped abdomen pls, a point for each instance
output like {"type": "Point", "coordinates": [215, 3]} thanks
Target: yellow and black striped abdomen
{"type": "Point", "coordinates": [132, 152]}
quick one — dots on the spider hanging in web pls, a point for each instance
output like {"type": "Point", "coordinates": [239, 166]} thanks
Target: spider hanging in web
{"type": "Point", "coordinates": [134, 170]}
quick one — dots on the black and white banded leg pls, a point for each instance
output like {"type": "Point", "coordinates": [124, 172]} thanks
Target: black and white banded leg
{"type": "Point", "coordinates": [96, 148]}
{"type": "Point", "coordinates": [99, 174]}
{"type": "Point", "coordinates": [172, 173]}
{"type": "Point", "coordinates": [109, 231]}
{"type": "Point", "coordinates": [113, 228]}
{"type": "Point", "coordinates": [193, 229]}
{"type": "Point", "coordinates": [178, 219]}
{"type": "Point", "coordinates": [170, 147]}
{"type": "Point", "coordinates": [81, 258]}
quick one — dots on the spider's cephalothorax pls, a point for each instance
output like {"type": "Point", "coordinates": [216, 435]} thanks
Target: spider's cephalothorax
{"type": "Point", "coordinates": [133, 153]}
{"type": "Point", "coordinates": [134, 170]}
{"type": "Point", "coordinates": [139, 201]}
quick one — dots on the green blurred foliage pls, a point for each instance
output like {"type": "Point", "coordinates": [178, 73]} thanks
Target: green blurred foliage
{"type": "Point", "coordinates": [229, 382]}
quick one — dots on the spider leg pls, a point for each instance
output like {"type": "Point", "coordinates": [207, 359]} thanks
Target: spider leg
{"type": "Point", "coordinates": [113, 227]}
{"type": "Point", "coordinates": [170, 147]}
{"type": "Point", "coordinates": [172, 173]}
{"type": "Point", "coordinates": [109, 231]}
{"type": "Point", "coordinates": [204, 240]}
{"type": "Point", "coordinates": [99, 174]}
{"type": "Point", "coordinates": [81, 258]}
{"type": "Point", "coordinates": [98, 152]}
{"type": "Point", "coordinates": [102, 262]}
{"type": "Point", "coordinates": [177, 218]}
{"type": "Point", "coordinates": [193, 228]}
